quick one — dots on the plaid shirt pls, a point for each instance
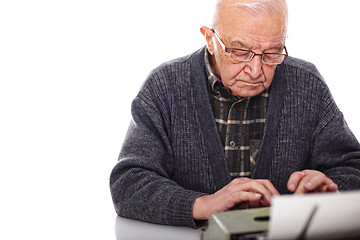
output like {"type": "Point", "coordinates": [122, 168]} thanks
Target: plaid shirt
{"type": "Point", "coordinates": [240, 123]}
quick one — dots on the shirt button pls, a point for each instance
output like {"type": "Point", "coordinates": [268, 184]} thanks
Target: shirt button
{"type": "Point", "coordinates": [232, 144]}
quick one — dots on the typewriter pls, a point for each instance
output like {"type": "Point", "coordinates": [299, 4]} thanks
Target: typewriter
{"type": "Point", "coordinates": [309, 216]}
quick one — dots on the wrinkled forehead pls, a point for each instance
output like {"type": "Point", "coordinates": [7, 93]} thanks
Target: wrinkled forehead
{"type": "Point", "coordinates": [271, 13]}
{"type": "Point", "coordinates": [256, 6]}
{"type": "Point", "coordinates": [238, 20]}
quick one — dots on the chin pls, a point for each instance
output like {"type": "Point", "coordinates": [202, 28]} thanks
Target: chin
{"type": "Point", "coordinates": [243, 89]}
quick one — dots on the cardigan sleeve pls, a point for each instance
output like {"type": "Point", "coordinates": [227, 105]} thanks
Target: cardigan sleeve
{"type": "Point", "coordinates": [336, 151]}
{"type": "Point", "coordinates": [140, 183]}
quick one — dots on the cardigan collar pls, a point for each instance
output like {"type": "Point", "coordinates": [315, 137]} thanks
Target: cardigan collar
{"type": "Point", "coordinates": [216, 155]}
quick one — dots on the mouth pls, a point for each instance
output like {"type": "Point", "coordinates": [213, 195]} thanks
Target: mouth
{"type": "Point", "coordinates": [252, 82]}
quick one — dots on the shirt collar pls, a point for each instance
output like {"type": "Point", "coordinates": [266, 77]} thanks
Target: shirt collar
{"type": "Point", "coordinates": [215, 82]}
{"type": "Point", "coordinates": [212, 77]}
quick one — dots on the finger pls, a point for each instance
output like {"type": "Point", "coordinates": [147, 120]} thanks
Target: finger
{"type": "Point", "coordinates": [332, 187]}
{"type": "Point", "coordinates": [294, 180]}
{"type": "Point", "coordinates": [256, 204]}
{"type": "Point", "coordinates": [270, 187]}
{"type": "Point", "coordinates": [321, 189]}
{"type": "Point", "coordinates": [327, 188]}
{"type": "Point", "coordinates": [256, 186]}
{"type": "Point", "coordinates": [317, 182]}
{"type": "Point", "coordinates": [301, 186]}
{"type": "Point", "coordinates": [244, 196]}
{"type": "Point", "coordinates": [263, 203]}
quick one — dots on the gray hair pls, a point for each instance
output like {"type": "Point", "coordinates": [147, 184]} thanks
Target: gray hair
{"type": "Point", "coordinates": [255, 7]}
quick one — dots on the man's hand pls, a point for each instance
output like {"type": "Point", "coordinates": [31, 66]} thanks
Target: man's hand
{"type": "Point", "coordinates": [239, 193]}
{"type": "Point", "coordinates": [310, 181]}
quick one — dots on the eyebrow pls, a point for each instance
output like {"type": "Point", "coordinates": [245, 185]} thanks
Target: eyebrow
{"type": "Point", "coordinates": [237, 42]}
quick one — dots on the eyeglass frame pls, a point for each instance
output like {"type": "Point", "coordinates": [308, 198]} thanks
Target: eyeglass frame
{"type": "Point", "coordinates": [228, 50]}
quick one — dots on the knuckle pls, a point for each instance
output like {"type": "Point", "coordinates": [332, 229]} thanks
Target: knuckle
{"type": "Point", "coordinates": [267, 181]}
{"type": "Point", "coordinates": [306, 179]}
{"type": "Point", "coordinates": [236, 181]}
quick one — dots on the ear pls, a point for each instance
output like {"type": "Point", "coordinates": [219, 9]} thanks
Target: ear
{"type": "Point", "coordinates": [208, 34]}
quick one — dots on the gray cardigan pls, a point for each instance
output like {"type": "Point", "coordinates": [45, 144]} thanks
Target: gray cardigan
{"type": "Point", "coordinates": [173, 154]}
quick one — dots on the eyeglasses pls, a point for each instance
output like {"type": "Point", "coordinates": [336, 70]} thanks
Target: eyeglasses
{"type": "Point", "coordinates": [242, 55]}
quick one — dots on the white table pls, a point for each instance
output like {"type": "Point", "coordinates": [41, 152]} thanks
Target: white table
{"type": "Point", "coordinates": [128, 229]}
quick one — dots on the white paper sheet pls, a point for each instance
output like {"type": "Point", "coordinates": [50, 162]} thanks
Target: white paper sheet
{"type": "Point", "coordinates": [337, 216]}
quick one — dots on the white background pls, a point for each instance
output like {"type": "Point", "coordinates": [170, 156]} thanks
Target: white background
{"type": "Point", "coordinates": [69, 70]}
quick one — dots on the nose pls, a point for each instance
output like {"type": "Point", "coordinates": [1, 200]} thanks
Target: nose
{"type": "Point", "coordinates": [254, 67]}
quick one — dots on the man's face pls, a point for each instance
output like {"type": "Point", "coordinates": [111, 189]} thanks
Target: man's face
{"type": "Point", "coordinates": [239, 29]}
